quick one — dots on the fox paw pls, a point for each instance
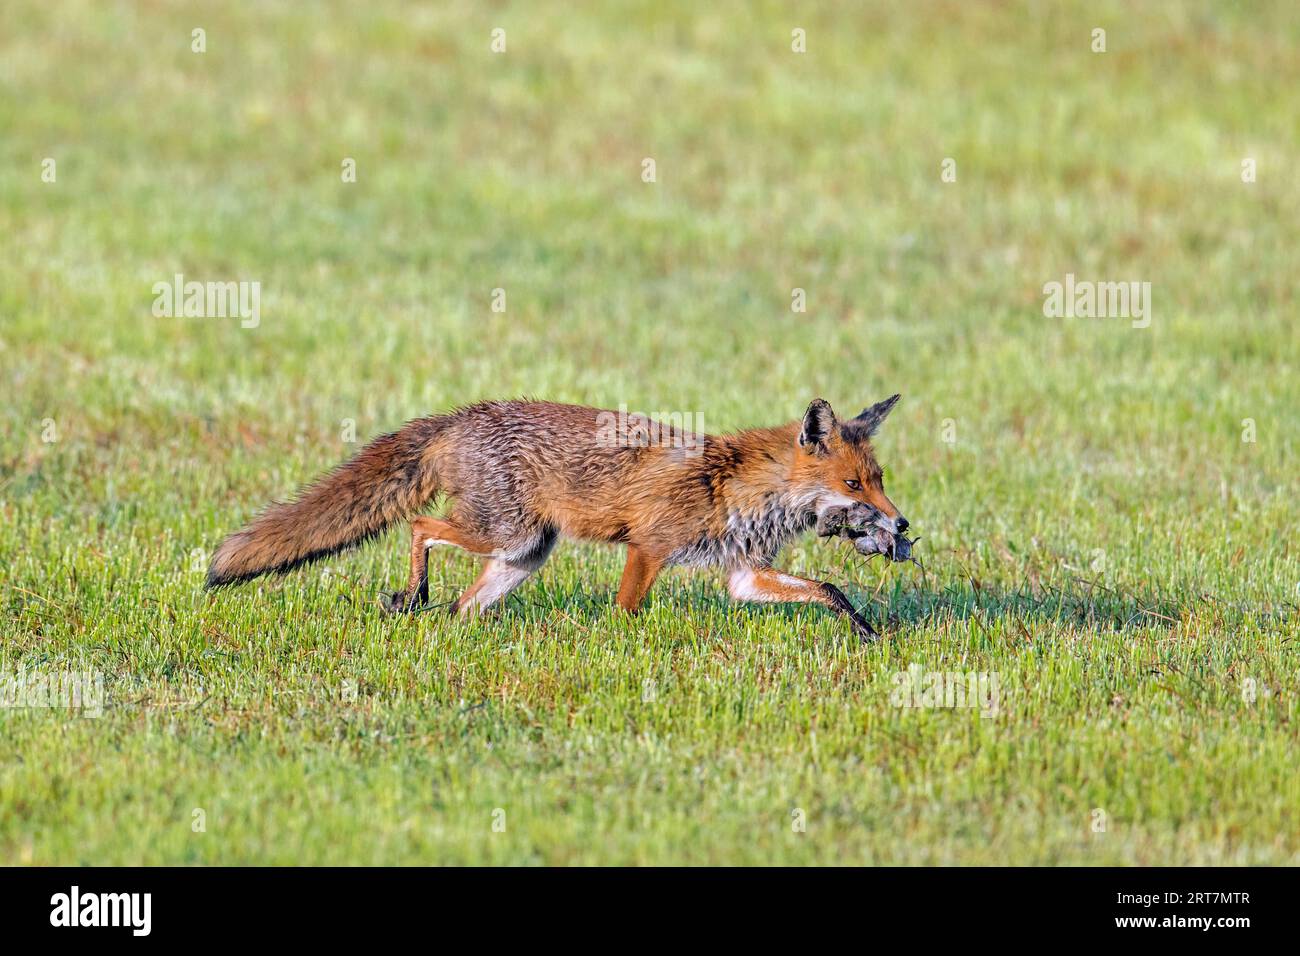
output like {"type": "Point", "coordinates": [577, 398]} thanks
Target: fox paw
{"type": "Point", "coordinates": [396, 602]}
{"type": "Point", "coordinates": [837, 601]}
{"type": "Point", "coordinates": [863, 629]}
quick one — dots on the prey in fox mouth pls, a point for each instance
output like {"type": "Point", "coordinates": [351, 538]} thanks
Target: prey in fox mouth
{"type": "Point", "coordinates": [864, 526]}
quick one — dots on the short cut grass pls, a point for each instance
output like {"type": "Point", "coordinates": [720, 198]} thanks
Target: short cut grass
{"type": "Point", "coordinates": [1108, 513]}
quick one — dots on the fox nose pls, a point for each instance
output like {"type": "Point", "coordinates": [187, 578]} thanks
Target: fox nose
{"type": "Point", "coordinates": [901, 524]}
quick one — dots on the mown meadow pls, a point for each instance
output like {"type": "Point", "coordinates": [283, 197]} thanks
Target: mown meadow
{"type": "Point", "coordinates": [1107, 510]}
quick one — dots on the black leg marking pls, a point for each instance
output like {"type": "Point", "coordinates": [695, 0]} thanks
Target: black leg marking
{"type": "Point", "coordinates": [861, 626]}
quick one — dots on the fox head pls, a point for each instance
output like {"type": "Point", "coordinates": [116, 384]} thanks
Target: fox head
{"type": "Point", "coordinates": [835, 465]}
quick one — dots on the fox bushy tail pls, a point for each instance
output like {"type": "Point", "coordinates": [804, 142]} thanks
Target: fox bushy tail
{"type": "Point", "coordinates": [388, 480]}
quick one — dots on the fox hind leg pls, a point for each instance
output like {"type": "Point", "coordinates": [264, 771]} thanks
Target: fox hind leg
{"type": "Point", "coordinates": [505, 572]}
{"type": "Point", "coordinates": [494, 583]}
{"type": "Point", "coordinates": [425, 533]}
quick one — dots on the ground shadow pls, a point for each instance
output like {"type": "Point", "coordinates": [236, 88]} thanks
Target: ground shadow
{"type": "Point", "coordinates": [1080, 603]}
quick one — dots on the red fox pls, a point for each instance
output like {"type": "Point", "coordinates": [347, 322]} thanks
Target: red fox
{"type": "Point", "coordinates": [522, 473]}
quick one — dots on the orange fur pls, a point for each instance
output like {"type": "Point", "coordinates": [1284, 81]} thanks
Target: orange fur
{"type": "Point", "coordinates": [521, 474]}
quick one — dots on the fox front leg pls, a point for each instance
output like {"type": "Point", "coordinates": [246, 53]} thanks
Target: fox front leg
{"type": "Point", "coordinates": [770, 586]}
{"type": "Point", "coordinates": [639, 575]}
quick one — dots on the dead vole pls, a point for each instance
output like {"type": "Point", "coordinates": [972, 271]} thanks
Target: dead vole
{"type": "Point", "coordinates": [859, 525]}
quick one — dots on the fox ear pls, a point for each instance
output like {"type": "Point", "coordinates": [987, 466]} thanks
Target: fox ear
{"type": "Point", "coordinates": [818, 425]}
{"type": "Point", "coordinates": [871, 418]}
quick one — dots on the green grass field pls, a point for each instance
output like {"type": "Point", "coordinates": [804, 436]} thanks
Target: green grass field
{"type": "Point", "coordinates": [1108, 513]}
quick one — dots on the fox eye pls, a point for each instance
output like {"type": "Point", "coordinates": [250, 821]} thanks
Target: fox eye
{"type": "Point", "coordinates": [853, 483]}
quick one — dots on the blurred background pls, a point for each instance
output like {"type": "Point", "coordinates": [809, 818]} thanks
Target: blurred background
{"type": "Point", "coordinates": [1155, 465]}
{"type": "Point", "coordinates": [775, 170]}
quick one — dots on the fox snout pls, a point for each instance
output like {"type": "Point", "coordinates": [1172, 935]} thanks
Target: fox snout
{"type": "Point", "coordinates": [895, 525]}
